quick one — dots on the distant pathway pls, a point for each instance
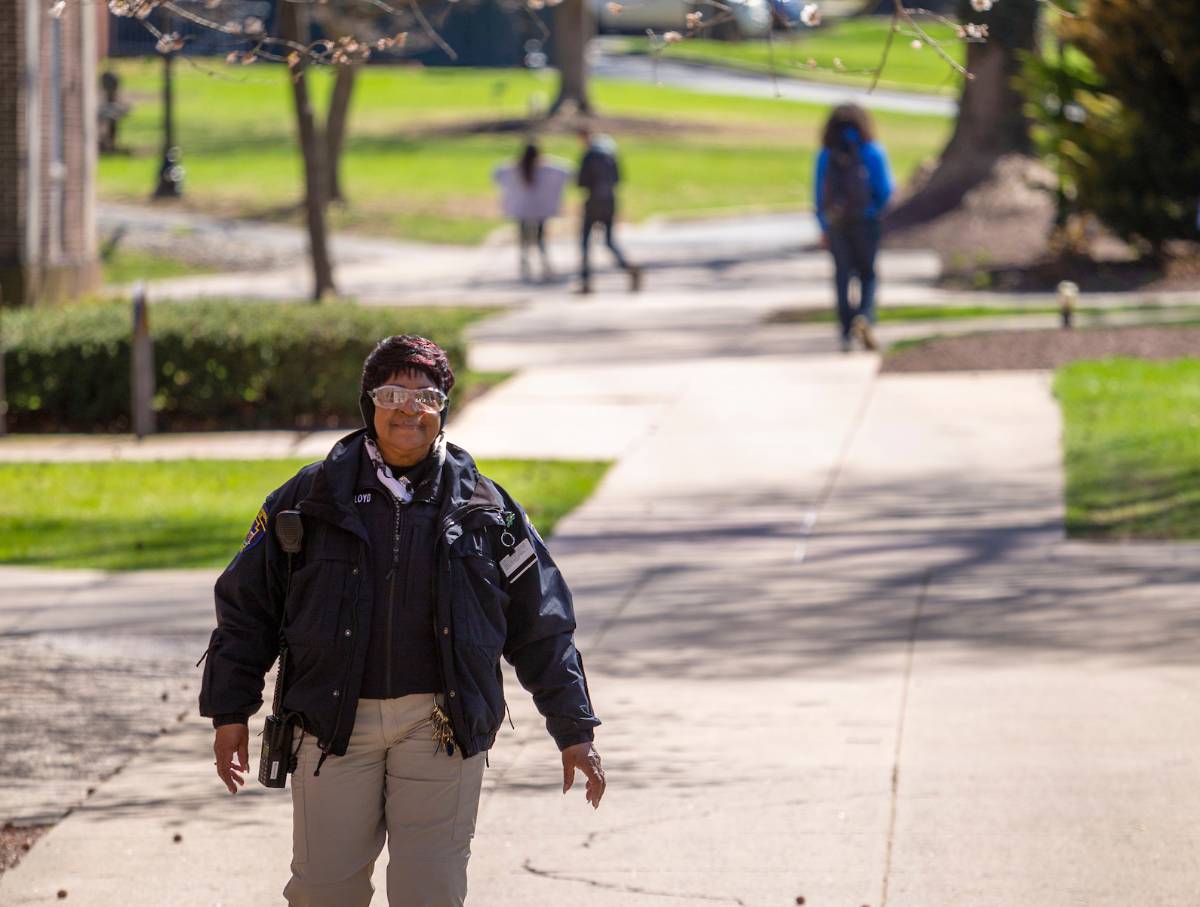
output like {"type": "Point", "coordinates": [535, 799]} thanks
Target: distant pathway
{"type": "Point", "coordinates": [727, 81]}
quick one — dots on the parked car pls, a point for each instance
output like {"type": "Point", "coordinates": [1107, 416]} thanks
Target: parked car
{"type": "Point", "coordinates": [752, 18]}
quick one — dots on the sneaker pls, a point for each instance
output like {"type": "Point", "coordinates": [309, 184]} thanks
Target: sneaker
{"type": "Point", "coordinates": [864, 332]}
{"type": "Point", "coordinates": [635, 279]}
{"type": "Point", "coordinates": [584, 288]}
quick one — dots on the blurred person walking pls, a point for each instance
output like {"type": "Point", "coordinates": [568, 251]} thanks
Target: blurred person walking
{"type": "Point", "coordinates": [599, 174]}
{"type": "Point", "coordinates": [853, 185]}
{"type": "Point", "coordinates": [531, 191]}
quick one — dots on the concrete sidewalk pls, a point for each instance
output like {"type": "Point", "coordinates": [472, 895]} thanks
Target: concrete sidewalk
{"type": "Point", "coordinates": [840, 647]}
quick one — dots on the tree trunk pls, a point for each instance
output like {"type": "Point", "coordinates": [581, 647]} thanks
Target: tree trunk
{"type": "Point", "coordinates": [572, 30]}
{"type": "Point", "coordinates": [990, 121]}
{"type": "Point", "coordinates": [3, 397]}
{"type": "Point", "coordinates": [312, 149]}
{"type": "Point", "coordinates": [335, 128]}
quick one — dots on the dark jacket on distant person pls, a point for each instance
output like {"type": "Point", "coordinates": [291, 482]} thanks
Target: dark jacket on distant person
{"type": "Point", "coordinates": [599, 173]}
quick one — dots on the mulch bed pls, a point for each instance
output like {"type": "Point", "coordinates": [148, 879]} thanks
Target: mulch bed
{"type": "Point", "coordinates": [1179, 271]}
{"type": "Point", "coordinates": [1046, 349]}
{"type": "Point", "coordinates": [15, 843]}
{"type": "Point", "coordinates": [996, 239]}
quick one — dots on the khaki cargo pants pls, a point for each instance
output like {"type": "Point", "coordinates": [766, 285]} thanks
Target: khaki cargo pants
{"type": "Point", "coordinates": [394, 784]}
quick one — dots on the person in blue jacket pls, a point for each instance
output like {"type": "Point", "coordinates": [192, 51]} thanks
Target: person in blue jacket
{"type": "Point", "coordinates": [853, 185]}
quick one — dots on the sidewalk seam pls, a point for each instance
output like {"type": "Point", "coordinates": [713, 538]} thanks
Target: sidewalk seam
{"type": "Point", "coordinates": [909, 656]}
{"type": "Point", "coordinates": [835, 473]}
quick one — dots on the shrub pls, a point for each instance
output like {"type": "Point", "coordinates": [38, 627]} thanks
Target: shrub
{"type": "Point", "coordinates": [219, 363]}
{"type": "Point", "coordinates": [1117, 112]}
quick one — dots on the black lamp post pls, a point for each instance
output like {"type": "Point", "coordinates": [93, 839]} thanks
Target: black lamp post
{"type": "Point", "coordinates": [170, 171]}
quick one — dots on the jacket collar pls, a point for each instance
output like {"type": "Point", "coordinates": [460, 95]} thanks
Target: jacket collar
{"type": "Point", "coordinates": [455, 482]}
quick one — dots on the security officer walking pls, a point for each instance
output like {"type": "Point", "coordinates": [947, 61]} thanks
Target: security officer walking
{"type": "Point", "coordinates": [415, 574]}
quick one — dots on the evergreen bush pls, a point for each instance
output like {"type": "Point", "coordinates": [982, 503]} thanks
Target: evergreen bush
{"type": "Point", "coordinates": [1117, 112]}
{"type": "Point", "coordinates": [220, 364]}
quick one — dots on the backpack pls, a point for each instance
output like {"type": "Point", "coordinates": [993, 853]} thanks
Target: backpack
{"type": "Point", "coordinates": [846, 189]}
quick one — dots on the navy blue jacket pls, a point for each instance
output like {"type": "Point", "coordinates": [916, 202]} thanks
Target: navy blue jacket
{"type": "Point", "coordinates": [496, 591]}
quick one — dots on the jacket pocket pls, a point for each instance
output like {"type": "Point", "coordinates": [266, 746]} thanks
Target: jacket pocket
{"type": "Point", "coordinates": [481, 685]}
{"type": "Point", "coordinates": [480, 601]}
{"type": "Point", "coordinates": [315, 600]}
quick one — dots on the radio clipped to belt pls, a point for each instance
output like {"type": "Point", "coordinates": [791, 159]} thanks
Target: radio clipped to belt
{"type": "Point", "coordinates": [278, 757]}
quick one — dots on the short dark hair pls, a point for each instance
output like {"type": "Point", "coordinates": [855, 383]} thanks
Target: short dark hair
{"type": "Point", "coordinates": [407, 351]}
{"type": "Point", "coordinates": [845, 115]}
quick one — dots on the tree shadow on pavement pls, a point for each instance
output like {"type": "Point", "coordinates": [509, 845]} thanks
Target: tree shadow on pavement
{"type": "Point", "coordinates": [763, 597]}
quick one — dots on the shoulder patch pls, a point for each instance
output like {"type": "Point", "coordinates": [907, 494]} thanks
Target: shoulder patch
{"type": "Point", "coordinates": [258, 529]}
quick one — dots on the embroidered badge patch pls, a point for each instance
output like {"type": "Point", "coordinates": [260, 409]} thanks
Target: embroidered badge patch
{"type": "Point", "coordinates": [258, 529]}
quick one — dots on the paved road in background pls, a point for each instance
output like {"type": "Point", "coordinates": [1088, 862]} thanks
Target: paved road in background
{"type": "Point", "coordinates": [714, 80]}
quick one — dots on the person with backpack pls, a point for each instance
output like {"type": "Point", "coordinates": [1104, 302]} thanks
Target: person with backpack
{"type": "Point", "coordinates": [598, 177]}
{"type": "Point", "coordinates": [853, 185]}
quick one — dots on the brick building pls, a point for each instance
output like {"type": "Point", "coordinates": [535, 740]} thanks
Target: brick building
{"type": "Point", "coordinates": [48, 249]}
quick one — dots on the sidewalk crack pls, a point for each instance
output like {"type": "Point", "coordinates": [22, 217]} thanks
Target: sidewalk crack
{"type": "Point", "coordinates": [628, 889]}
{"type": "Point", "coordinates": [812, 517]}
{"type": "Point", "coordinates": [926, 582]}
{"type": "Point", "coordinates": [638, 587]}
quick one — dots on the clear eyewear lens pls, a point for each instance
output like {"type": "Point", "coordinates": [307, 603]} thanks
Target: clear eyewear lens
{"type": "Point", "coordinates": [428, 400]}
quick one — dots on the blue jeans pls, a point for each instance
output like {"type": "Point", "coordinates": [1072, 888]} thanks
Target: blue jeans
{"type": "Point", "coordinates": [854, 247]}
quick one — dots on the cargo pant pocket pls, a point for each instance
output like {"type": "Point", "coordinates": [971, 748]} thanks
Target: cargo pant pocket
{"type": "Point", "coordinates": [469, 787]}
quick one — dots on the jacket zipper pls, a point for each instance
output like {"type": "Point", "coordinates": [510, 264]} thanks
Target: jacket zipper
{"type": "Point", "coordinates": [397, 521]}
{"type": "Point", "coordinates": [451, 519]}
{"type": "Point", "coordinates": [337, 718]}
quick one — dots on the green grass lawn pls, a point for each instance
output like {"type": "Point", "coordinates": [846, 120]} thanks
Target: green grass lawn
{"type": "Point", "coordinates": [126, 266]}
{"type": "Point", "coordinates": [1132, 448]}
{"type": "Point", "coordinates": [858, 43]}
{"type": "Point", "coordinates": [132, 516]}
{"type": "Point", "coordinates": [414, 168]}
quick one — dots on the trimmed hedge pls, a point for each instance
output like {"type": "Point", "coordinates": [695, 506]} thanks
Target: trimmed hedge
{"type": "Point", "coordinates": [220, 364]}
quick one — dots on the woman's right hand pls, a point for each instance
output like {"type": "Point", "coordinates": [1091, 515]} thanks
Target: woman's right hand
{"type": "Point", "coordinates": [232, 740]}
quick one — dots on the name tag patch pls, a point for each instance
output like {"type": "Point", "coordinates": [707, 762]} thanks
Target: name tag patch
{"type": "Point", "coordinates": [363, 498]}
{"type": "Point", "coordinates": [521, 559]}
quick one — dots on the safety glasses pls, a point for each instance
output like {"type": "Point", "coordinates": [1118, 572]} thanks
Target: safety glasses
{"type": "Point", "coordinates": [424, 399]}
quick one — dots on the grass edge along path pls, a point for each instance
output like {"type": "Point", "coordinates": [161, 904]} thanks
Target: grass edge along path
{"type": "Point", "coordinates": [124, 266]}
{"type": "Point", "coordinates": [1131, 448]}
{"type": "Point", "coordinates": [856, 44]}
{"type": "Point", "coordinates": [177, 514]}
{"type": "Point", "coordinates": [908, 313]}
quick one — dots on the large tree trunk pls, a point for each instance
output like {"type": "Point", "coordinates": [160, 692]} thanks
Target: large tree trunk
{"type": "Point", "coordinates": [3, 397]}
{"type": "Point", "coordinates": [335, 128]}
{"type": "Point", "coordinates": [314, 159]}
{"type": "Point", "coordinates": [572, 30]}
{"type": "Point", "coordinates": [990, 122]}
